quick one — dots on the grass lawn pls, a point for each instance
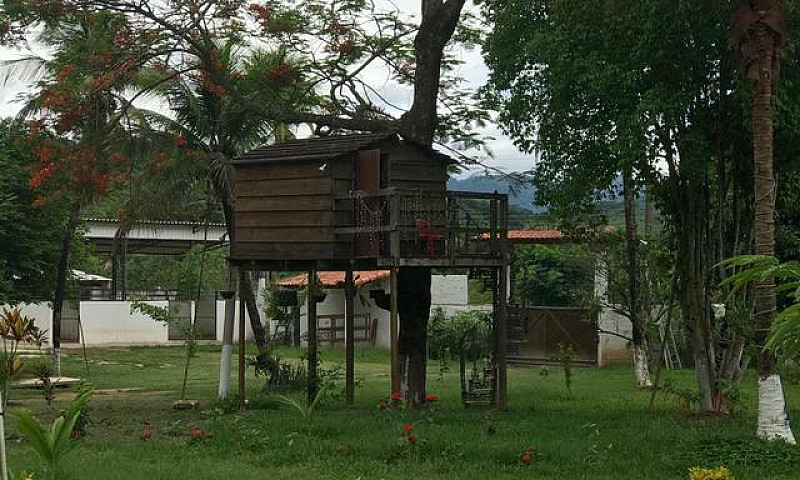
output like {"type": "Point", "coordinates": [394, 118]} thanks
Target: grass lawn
{"type": "Point", "coordinates": [604, 431]}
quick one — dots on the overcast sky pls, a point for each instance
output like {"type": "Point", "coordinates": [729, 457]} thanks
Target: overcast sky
{"type": "Point", "coordinates": [507, 157]}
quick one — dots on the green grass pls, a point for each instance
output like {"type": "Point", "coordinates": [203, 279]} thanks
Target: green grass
{"type": "Point", "coordinates": [605, 431]}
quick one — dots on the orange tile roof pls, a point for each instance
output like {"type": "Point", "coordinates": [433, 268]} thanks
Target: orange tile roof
{"type": "Point", "coordinates": [335, 279]}
{"type": "Point", "coordinates": [535, 236]}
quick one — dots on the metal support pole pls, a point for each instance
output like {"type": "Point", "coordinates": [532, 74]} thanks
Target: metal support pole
{"type": "Point", "coordinates": [311, 311]}
{"type": "Point", "coordinates": [393, 334]}
{"type": "Point", "coordinates": [349, 335]}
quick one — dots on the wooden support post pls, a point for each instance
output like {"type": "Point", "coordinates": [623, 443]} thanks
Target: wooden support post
{"type": "Point", "coordinates": [501, 317]}
{"type": "Point", "coordinates": [394, 226]}
{"type": "Point", "coordinates": [501, 324]}
{"type": "Point", "coordinates": [394, 331]}
{"type": "Point", "coordinates": [311, 311]}
{"type": "Point", "coordinates": [349, 336]}
{"type": "Point", "coordinates": [242, 331]}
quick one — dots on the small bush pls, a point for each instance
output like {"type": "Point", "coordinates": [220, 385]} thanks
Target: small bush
{"type": "Point", "coordinates": [721, 473]}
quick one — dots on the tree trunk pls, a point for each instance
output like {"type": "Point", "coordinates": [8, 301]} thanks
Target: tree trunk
{"type": "Point", "coordinates": [641, 365]}
{"type": "Point", "coordinates": [61, 282]}
{"type": "Point", "coordinates": [690, 204]}
{"type": "Point", "coordinates": [773, 422]}
{"type": "Point", "coordinates": [259, 334]}
{"type": "Point", "coordinates": [414, 300]}
{"type": "Point", "coordinates": [439, 20]}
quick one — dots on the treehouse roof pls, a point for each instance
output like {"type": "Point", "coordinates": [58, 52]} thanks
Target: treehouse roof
{"type": "Point", "coordinates": [328, 148]}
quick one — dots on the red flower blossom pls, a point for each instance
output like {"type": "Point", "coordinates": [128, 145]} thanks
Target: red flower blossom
{"type": "Point", "coordinates": [412, 438]}
{"type": "Point", "coordinates": [527, 458]}
{"type": "Point", "coordinates": [408, 427]}
{"type": "Point", "coordinates": [197, 433]}
{"type": "Point", "coordinates": [431, 398]}
{"type": "Point", "coordinates": [180, 141]}
{"type": "Point", "coordinates": [396, 397]}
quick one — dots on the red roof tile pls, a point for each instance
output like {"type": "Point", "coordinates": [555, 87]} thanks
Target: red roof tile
{"type": "Point", "coordinates": [535, 236]}
{"type": "Point", "coordinates": [335, 279]}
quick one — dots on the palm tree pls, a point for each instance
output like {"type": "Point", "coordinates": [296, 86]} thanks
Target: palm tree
{"type": "Point", "coordinates": [758, 31]}
{"type": "Point", "coordinates": [214, 128]}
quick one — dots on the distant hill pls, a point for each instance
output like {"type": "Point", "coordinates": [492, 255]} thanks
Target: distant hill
{"type": "Point", "coordinates": [518, 195]}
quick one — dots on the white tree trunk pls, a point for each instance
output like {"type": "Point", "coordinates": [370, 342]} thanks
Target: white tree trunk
{"type": "Point", "coordinates": [773, 421]}
{"type": "Point", "coordinates": [57, 362]}
{"type": "Point", "coordinates": [641, 367]}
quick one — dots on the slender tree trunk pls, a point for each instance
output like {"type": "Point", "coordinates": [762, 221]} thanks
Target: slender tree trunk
{"type": "Point", "coordinates": [773, 422]}
{"type": "Point", "coordinates": [640, 363]}
{"type": "Point", "coordinates": [61, 282]}
{"type": "Point", "coordinates": [245, 287]}
{"type": "Point", "coordinates": [690, 203]}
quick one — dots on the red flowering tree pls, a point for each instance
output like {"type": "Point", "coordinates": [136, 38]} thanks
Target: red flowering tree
{"type": "Point", "coordinates": [76, 125]}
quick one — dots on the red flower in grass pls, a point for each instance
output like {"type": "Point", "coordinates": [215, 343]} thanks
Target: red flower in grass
{"type": "Point", "coordinates": [412, 438]}
{"type": "Point", "coordinates": [431, 398]}
{"type": "Point", "coordinates": [527, 459]}
{"type": "Point", "coordinates": [396, 397]}
{"type": "Point", "coordinates": [197, 433]}
{"type": "Point", "coordinates": [408, 427]}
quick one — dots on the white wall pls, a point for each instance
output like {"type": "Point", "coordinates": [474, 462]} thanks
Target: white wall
{"type": "Point", "coordinates": [107, 323]}
{"type": "Point", "coordinates": [112, 323]}
{"type": "Point", "coordinates": [612, 348]}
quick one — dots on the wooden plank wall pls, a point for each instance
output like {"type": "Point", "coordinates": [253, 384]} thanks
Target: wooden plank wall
{"type": "Point", "coordinates": [284, 211]}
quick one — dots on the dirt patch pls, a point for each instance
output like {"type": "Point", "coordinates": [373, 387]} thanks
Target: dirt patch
{"type": "Point", "coordinates": [115, 392]}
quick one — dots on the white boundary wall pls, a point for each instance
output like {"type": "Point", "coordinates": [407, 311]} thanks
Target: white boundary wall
{"type": "Point", "coordinates": [109, 323]}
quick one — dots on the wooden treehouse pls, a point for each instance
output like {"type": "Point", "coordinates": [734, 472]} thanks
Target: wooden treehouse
{"type": "Point", "coordinates": [366, 201]}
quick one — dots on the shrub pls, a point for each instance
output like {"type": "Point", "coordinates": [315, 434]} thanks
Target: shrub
{"type": "Point", "coordinates": [721, 473]}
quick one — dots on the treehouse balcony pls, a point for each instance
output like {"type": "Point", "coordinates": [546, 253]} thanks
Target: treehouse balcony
{"type": "Point", "coordinates": [423, 228]}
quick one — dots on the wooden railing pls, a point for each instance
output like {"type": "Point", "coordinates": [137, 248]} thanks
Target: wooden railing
{"type": "Point", "coordinates": [417, 224]}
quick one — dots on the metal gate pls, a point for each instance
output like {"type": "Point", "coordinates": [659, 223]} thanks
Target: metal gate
{"type": "Point", "coordinates": [70, 327]}
{"type": "Point", "coordinates": [206, 318]}
{"type": "Point", "coordinates": [181, 313]}
{"type": "Point", "coordinates": [535, 333]}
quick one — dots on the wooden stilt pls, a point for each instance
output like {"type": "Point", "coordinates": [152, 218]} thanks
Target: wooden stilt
{"type": "Point", "coordinates": [311, 311]}
{"type": "Point", "coordinates": [349, 338]}
{"type": "Point", "coordinates": [501, 319]}
{"type": "Point", "coordinates": [501, 322]}
{"type": "Point", "coordinates": [394, 324]}
{"type": "Point", "coordinates": [242, 395]}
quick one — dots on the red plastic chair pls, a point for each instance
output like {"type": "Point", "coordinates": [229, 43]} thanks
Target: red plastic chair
{"type": "Point", "coordinates": [427, 236]}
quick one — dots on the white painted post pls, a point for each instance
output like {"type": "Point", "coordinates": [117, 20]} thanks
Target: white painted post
{"type": "Point", "coordinates": [600, 292]}
{"type": "Point", "coordinates": [227, 339]}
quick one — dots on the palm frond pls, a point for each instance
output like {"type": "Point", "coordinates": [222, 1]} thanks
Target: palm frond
{"type": "Point", "coordinates": [29, 68]}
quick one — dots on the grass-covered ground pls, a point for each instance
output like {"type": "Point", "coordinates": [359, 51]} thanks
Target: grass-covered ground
{"type": "Point", "coordinates": [604, 431]}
